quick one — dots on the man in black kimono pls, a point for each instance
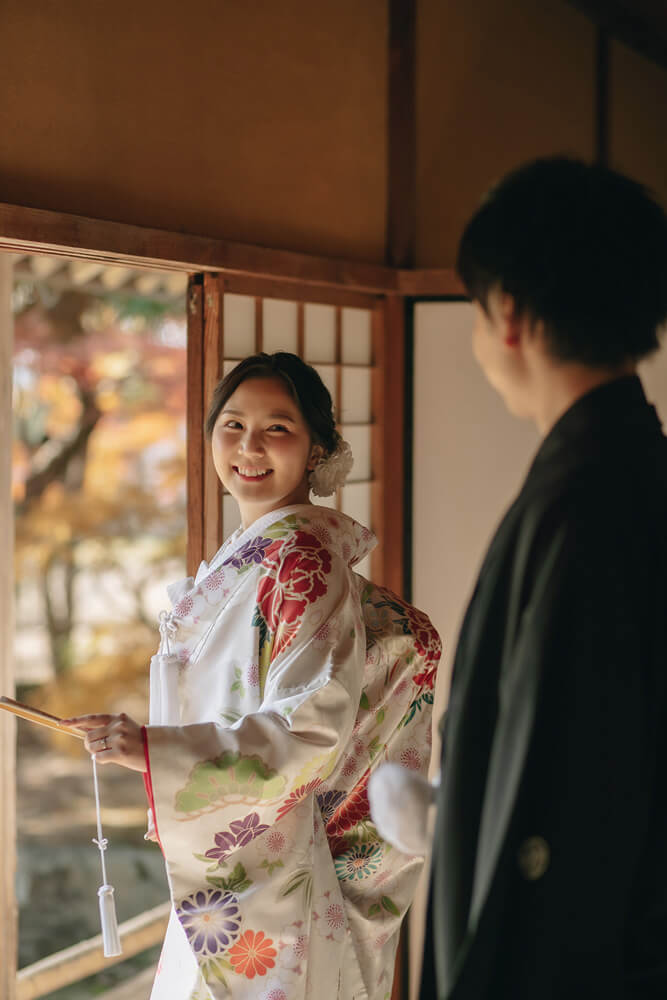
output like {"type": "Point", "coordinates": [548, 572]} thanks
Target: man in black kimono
{"type": "Point", "coordinates": [549, 878]}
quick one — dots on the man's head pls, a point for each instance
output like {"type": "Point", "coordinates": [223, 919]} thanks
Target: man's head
{"type": "Point", "coordinates": [579, 250]}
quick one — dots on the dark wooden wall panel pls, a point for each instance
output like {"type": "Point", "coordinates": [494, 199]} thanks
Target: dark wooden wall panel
{"type": "Point", "coordinates": [262, 122]}
{"type": "Point", "coordinates": [497, 83]}
{"type": "Point", "coordinates": [638, 118]}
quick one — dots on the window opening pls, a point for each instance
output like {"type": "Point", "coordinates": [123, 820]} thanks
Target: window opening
{"type": "Point", "coordinates": [100, 522]}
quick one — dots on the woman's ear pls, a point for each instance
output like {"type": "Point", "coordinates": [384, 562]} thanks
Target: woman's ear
{"type": "Point", "coordinates": [316, 453]}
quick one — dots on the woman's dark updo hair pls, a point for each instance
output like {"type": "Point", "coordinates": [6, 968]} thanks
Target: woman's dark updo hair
{"type": "Point", "coordinates": [303, 384]}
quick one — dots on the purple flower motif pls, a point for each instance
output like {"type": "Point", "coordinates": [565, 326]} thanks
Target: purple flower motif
{"type": "Point", "coordinates": [247, 829]}
{"type": "Point", "coordinates": [252, 551]}
{"type": "Point", "coordinates": [211, 918]}
{"type": "Point", "coordinates": [240, 833]}
{"type": "Point", "coordinates": [226, 842]}
{"type": "Point", "coordinates": [329, 802]}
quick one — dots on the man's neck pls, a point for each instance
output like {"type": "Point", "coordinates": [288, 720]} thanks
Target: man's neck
{"type": "Point", "coordinates": [558, 386]}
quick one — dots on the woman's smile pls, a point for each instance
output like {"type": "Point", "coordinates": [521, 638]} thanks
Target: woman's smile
{"type": "Point", "coordinates": [252, 474]}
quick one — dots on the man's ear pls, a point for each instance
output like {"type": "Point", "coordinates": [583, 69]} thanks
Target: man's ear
{"type": "Point", "coordinates": [511, 320]}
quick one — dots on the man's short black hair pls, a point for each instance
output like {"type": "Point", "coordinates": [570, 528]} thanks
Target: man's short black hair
{"type": "Point", "coordinates": [580, 247]}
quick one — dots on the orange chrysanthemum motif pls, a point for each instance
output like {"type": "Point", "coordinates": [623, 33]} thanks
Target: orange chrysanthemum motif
{"type": "Point", "coordinates": [253, 955]}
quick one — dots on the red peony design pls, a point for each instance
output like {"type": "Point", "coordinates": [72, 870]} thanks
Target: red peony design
{"type": "Point", "coordinates": [296, 577]}
{"type": "Point", "coordinates": [426, 638]}
{"type": "Point", "coordinates": [253, 954]}
{"type": "Point", "coordinates": [353, 810]}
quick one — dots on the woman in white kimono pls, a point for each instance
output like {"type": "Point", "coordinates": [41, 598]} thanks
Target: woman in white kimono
{"type": "Point", "coordinates": [283, 681]}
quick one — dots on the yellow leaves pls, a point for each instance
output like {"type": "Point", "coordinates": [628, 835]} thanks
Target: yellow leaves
{"type": "Point", "coordinates": [52, 497]}
{"type": "Point", "coordinates": [114, 364]}
{"type": "Point", "coordinates": [20, 469]}
{"type": "Point", "coordinates": [112, 677]}
{"type": "Point", "coordinates": [59, 394]}
{"type": "Point", "coordinates": [108, 400]}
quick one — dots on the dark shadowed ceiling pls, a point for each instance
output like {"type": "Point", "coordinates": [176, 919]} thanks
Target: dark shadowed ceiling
{"type": "Point", "coordinates": [641, 24]}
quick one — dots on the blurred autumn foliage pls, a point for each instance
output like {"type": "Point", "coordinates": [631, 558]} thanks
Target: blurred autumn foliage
{"type": "Point", "coordinates": [99, 491]}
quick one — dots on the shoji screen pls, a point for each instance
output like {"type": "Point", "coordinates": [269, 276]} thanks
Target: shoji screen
{"type": "Point", "coordinates": [345, 339]}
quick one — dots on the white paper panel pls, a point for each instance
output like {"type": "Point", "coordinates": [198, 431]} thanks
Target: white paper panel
{"type": "Point", "coordinates": [231, 516]}
{"type": "Point", "coordinates": [359, 437]}
{"type": "Point", "coordinates": [364, 568]}
{"type": "Point", "coordinates": [355, 407]}
{"type": "Point", "coordinates": [356, 502]}
{"type": "Point", "coordinates": [280, 326]}
{"type": "Point", "coordinates": [238, 325]}
{"type": "Point", "coordinates": [357, 344]}
{"type": "Point", "coordinates": [228, 366]}
{"type": "Point", "coordinates": [328, 375]}
{"type": "Point", "coordinates": [319, 341]}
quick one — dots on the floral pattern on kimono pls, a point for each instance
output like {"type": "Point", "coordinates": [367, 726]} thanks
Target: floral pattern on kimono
{"type": "Point", "coordinates": [288, 680]}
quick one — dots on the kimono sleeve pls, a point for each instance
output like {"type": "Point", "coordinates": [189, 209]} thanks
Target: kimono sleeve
{"type": "Point", "coordinates": [229, 784]}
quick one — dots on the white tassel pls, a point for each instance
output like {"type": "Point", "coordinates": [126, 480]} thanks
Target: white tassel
{"type": "Point", "coordinates": [110, 935]}
{"type": "Point", "coordinates": [109, 921]}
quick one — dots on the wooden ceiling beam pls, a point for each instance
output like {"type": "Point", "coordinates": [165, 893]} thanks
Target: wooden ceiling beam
{"type": "Point", "coordinates": [37, 231]}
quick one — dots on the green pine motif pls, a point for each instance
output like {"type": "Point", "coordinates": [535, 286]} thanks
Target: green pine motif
{"type": "Point", "coordinates": [285, 526]}
{"type": "Point", "coordinates": [231, 775]}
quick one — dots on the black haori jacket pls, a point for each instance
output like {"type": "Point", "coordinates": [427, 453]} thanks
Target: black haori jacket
{"type": "Point", "coordinates": [549, 877]}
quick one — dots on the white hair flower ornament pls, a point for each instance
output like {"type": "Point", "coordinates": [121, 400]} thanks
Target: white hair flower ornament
{"type": "Point", "coordinates": [332, 471]}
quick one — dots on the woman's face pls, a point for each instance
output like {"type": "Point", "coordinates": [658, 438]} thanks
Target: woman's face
{"type": "Point", "coordinates": [262, 449]}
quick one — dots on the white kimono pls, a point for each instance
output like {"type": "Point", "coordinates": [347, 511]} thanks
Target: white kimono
{"type": "Point", "coordinates": [287, 679]}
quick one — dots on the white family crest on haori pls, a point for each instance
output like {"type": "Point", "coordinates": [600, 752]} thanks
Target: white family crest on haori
{"type": "Point", "coordinates": [284, 679]}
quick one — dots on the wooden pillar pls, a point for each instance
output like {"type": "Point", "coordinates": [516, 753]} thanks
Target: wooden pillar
{"type": "Point", "coordinates": [8, 912]}
{"type": "Point", "coordinates": [195, 422]}
{"type": "Point", "coordinates": [401, 136]}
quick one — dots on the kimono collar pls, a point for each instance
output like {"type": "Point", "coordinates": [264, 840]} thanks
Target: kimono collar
{"type": "Point", "coordinates": [338, 532]}
{"type": "Point", "coordinates": [602, 419]}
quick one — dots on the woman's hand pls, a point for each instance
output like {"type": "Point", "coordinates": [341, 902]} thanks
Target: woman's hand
{"type": "Point", "coordinates": [114, 739]}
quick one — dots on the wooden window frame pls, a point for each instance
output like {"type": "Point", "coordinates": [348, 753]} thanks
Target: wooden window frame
{"type": "Point", "coordinates": [205, 362]}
